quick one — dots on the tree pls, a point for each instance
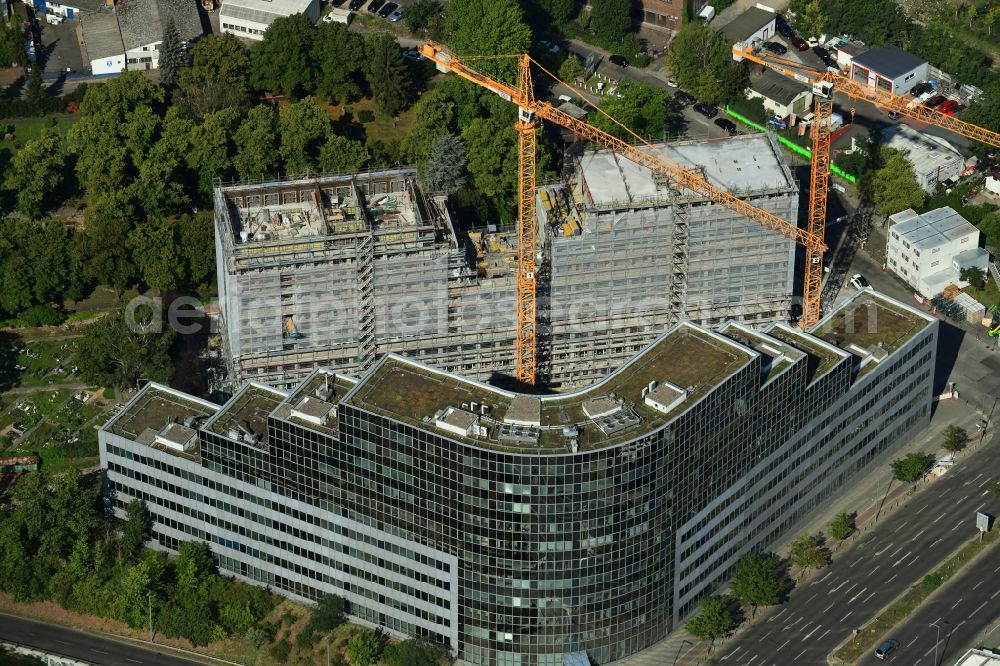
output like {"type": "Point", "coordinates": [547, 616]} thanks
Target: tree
{"type": "Point", "coordinates": [841, 527]}
{"type": "Point", "coordinates": [434, 115]}
{"type": "Point", "coordinates": [304, 128]}
{"type": "Point", "coordinates": [106, 258]}
{"type": "Point", "coordinates": [807, 551]}
{"type": "Point", "coordinates": [911, 467]}
{"type": "Point", "coordinates": [12, 51]}
{"type": "Point", "coordinates": [280, 62]}
{"type": "Point", "coordinates": [123, 347]}
{"type": "Point", "coordinates": [973, 275]}
{"type": "Point", "coordinates": [755, 582]}
{"type": "Point", "coordinates": [611, 19]}
{"type": "Point", "coordinates": [329, 613]}
{"type": "Point", "coordinates": [340, 154]}
{"type": "Point", "coordinates": [419, 14]}
{"type": "Point", "coordinates": [337, 53]}
{"type": "Point", "coordinates": [35, 263]}
{"type": "Point", "coordinates": [363, 648]}
{"type": "Point", "coordinates": [388, 76]}
{"type": "Point", "coordinates": [554, 12]}
{"type": "Point", "coordinates": [164, 180]}
{"type": "Point", "coordinates": [444, 171]}
{"type": "Point", "coordinates": [642, 108]}
{"type": "Point", "coordinates": [701, 60]}
{"type": "Point", "coordinates": [413, 652]}
{"type": "Point", "coordinates": [136, 529]}
{"type": "Point", "coordinates": [489, 27]}
{"type": "Point", "coordinates": [812, 22]}
{"type": "Point", "coordinates": [197, 246]}
{"type": "Point", "coordinates": [955, 438]}
{"type": "Point", "coordinates": [217, 58]}
{"type": "Point", "coordinates": [36, 173]}
{"type": "Point", "coordinates": [571, 70]}
{"type": "Point", "coordinates": [34, 91]}
{"type": "Point", "coordinates": [491, 145]}
{"type": "Point", "coordinates": [257, 145]}
{"type": "Point", "coordinates": [156, 253]}
{"type": "Point", "coordinates": [712, 622]}
{"type": "Point", "coordinates": [893, 185]}
{"type": "Point", "coordinates": [213, 146]}
{"type": "Point", "coordinates": [171, 55]}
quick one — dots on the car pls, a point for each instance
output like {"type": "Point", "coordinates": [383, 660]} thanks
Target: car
{"type": "Point", "coordinates": [396, 15]}
{"type": "Point", "coordinates": [387, 9]}
{"type": "Point", "coordinates": [895, 115]}
{"type": "Point", "coordinates": [948, 107]}
{"type": "Point", "coordinates": [672, 83]}
{"type": "Point", "coordinates": [882, 651]}
{"type": "Point", "coordinates": [920, 89]}
{"type": "Point", "coordinates": [775, 48]}
{"type": "Point", "coordinates": [675, 105]}
{"type": "Point", "coordinates": [337, 3]}
{"type": "Point", "coordinates": [934, 101]}
{"type": "Point", "coordinates": [821, 52]}
{"type": "Point", "coordinates": [726, 124]}
{"type": "Point", "coordinates": [412, 54]}
{"type": "Point", "coordinates": [799, 43]}
{"type": "Point", "coordinates": [355, 5]}
{"type": "Point", "coordinates": [859, 282]}
{"type": "Point", "coordinates": [708, 110]}
{"type": "Point", "coordinates": [375, 5]}
{"type": "Point", "coordinates": [618, 60]}
{"type": "Point", "coordinates": [783, 28]}
{"type": "Point", "coordinates": [685, 99]}
{"type": "Point", "coordinates": [548, 47]}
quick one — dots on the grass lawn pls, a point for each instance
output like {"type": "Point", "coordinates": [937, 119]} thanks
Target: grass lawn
{"type": "Point", "coordinates": [988, 295]}
{"type": "Point", "coordinates": [27, 129]}
{"type": "Point", "coordinates": [45, 356]}
{"type": "Point", "coordinates": [390, 130]}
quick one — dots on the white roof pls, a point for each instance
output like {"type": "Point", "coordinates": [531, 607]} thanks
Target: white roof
{"type": "Point", "coordinates": [931, 229]}
{"type": "Point", "coordinates": [979, 658]}
{"type": "Point", "coordinates": [925, 152]}
{"type": "Point", "coordinates": [263, 11]}
{"type": "Point", "coordinates": [737, 164]}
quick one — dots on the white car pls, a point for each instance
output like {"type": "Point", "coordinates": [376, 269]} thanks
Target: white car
{"type": "Point", "coordinates": [859, 282]}
{"type": "Point", "coordinates": [672, 83]}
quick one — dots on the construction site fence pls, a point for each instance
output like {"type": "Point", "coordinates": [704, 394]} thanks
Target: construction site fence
{"type": "Point", "coordinates": [792, 146]}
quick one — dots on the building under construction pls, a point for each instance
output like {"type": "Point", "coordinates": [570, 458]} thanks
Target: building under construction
{"type": "Point", "coordinates": [336, 270]}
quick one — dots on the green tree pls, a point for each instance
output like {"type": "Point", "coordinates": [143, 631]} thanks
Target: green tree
{"type": "Point", "coordinates": [388, 76]}
{"type": "Point", "coordinates": [213, 147]}
{"type": "Point", "coordinates": [337, 53]}
{"type": "Point", "coordinates": [445, 168]}
{"type": "Point", "coordinates": [12, 51]}
{"type": "Point", "coordinates": [304, 128]}
{"type": "Point", "coordinates": [418, 15]}
{"type": "Point", "coordinates": [434, 115]}
{"type": "Point", "coordinates": [491, 145]}
{"type": "Point", "coordinates": [642, 108]}
{"type": "Point", "coordinates": [329, 613]}
{"type": "Point", "coordinates": [197, 246]}
{"type": "Point", "coordinates": [157, 254]}
{"type": "Point", "coordinates": [973, 275]}
{"type": "Point", "coordinates": [893, 185]}
{"type": "Point", "coordinates": [171, 55]}
{"type": "Point", "coordinates": [712, 622]}
{"type": "Point", "coordinates": [911, 467]}
{"type": "Point", "coordinates": [571, 70]}
{"type": "Point", "coordinates": [136, 529]}
{"type": "Point", "coordinates": [11, 658]}
{"type": "Point", "coordinates": [807, 551]}
{"type": "Point", "coordinates": [340, 154]}
{"type": "Point", "coordinates": [132, 596]}
{"type": "Point", "coordinates": [932, 581]}
{"type": "Point", "coordinates": [364, 648]}
{"type": "Point", "coordinates": [257, 145]}
{"type": "Point", "coordinates": [217, 58]}
{"type": "Point", "coordinates": [106, 258]}
{"type": "Point", "coordinates": [35, 263]}
{"type": "Point", "coordinates": [812, 22]}
{"type": "Point", "coordinates": [755, 581]}
{"type": "Point", "coordinates": [165, 178]}
{"type": "Point", "coordinates": [955, 438]}
{"type": "Point", "coordinates": [701, 60]}
{"type": "Point", "coordinates": [413, 652]}
{"type": "Point", "coordinates": [841, 527]}
{"type": "Point", "coordinates": [280, 62]}
{"type": "Point", "coordinates": [124, 347]}
{"type": "Point", "coordinates": [34, 91]}
{"type": "Point", "coordinates": [489, 27]}
{"type": "Point", "coordinates": [611, 19]}
{"type": "Point", "coordinates": [36, 173]}
{"type": "Point", "coordinates": [555, 12]}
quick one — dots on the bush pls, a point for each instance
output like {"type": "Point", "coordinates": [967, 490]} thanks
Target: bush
{"type": "Point", "coordinates": [42, 315]}
{"type": "Point", "coordinates": [363, 648]}
{"type": "Point", "coordinates": [280, 651]}
{"type": "Point", "coordinates": [366, 116]}
{"type": "Point", "coordinates": [306, 639]}
{"type": "Point", "coordinates": [258, 635]}
{"type": "Point", "coordinates": [288, 617]}
{"type": "Point", "coordinates": [932, 580]}
{"type": "Point", "coordinates": [841, 527]}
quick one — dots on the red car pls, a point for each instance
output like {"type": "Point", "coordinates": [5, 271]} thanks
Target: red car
{"type": "Point", "coordinates": [935, 101]}
{"type": "Point", "coordinates": [799, 43]}
{"type": "Point", "coordinates": [948, 107]}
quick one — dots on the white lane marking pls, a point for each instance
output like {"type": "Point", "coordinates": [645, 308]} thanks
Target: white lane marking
{"type": "Point", "coordinates": [876, 568]}
{"type": "Point", "coordinates": [941, 516]}
{"type": "Point", "coordinates": [823, 634]}
{"type": "Point", "coordinates": [846, 616]}
{"type": "Point", "coordinates": [960, 599]}
{"type": "Point", "coordinates": [915, 639]}
{"type": "Point", "coordinates": [863, 590]}
{"type": "Point", "coordinates": [815, 629]}
{"type": "Point", "coordinates": [984, 483]}
{"type": "Point", "coordinates": [977, 585]}
{"type": "Point", "coordinates": [899, 528]}
{"type": "Point", "coordinates": [980, 506]}
{"type": "Point", "coordinates": [964, 498]}
{"type": "Point", "coordinates": [777, 615]}
{"type": "Point", "coordinates": [793, 623]}
{"type": "Point", "coordinates": [827, 609]}
{"type": "Point", "coordinates": [865, 600]}
{"type": "Point", "coordinates": [883, 550]}
{"type": "Point", "coordinates": [800, 654]}
{"type": "Point", "coordinates": [893, 553]}
{"type": "Point", "coordinates": [845, 583]}
{"type": "Point", "coordinates": [908, 553]}
{"type": "Point", "coordinates": [848, 590]}
{"type": "Point", "coordinates": [994, 595]}
{"type": "Point", "coordinates": [918, 534]}
{"type": "Point", "coordinates": [892, 579]}
{"type": "Point", "coordinates": [755, 658]}
{"type": "Point", "coordinates": [812, 597]}
{"type": "Point", "coordinates": [931, 649]}
{"type": "Point", "coordinates": [977, 476]}
{"type": "Point", "coordinates": [957, 525]}
{"type": "Point", "coordinates": [978, 609]}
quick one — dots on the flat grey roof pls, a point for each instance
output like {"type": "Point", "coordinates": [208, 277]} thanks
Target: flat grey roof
{"type": "Point", "coordinates": [925, 152]}
{"type": "Point", "coordinates": [739, 164]}
{"type": "Point", "coordinates": [101, 35]}
{"type": "Point", "coordinates": [931, 229]}
{"type": "Point", "coordinates": [144, 21]}
{"type": "Point", "coordinates": [263, 11]}
{"type": "Point", "coordinates": [777, 87]}
{"type": "Point", "coordinates": [747, 24]}
{"type": "Point", "coordinates": [889, 61]}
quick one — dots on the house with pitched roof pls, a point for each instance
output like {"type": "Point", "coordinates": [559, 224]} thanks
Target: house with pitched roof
{"type": "Point", "coordinates": [127, 35]}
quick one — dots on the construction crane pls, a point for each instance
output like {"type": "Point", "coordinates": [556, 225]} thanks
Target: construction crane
{"type": "Point", "coordinates": [529, 110]}
{"type": "Point", "coordinates": [823, 86]}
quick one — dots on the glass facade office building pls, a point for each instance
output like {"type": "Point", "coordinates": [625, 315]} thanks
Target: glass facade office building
{"type": "Point", "coordinates": [517, 529]}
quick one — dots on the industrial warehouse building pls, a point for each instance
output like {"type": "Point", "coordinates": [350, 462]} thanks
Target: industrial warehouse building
{"type": "Point", "coordinates": [251, 18]}
{"type": "Point", "coordinates": [127, 35]}
{"type": "Point", "coordinates": [524, 529]}
{"type": "Point", "coordinates": [337, 270]}
{"type": "Point", "coordinates": [934, 159]}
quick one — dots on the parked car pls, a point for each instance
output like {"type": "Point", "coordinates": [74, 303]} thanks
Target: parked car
{"type": "Point", "coordinates": [920, 89]}
{"type": "Point", "coordinates": [799, 43]}
{"type": "Point", "coordinates": [548, 47]}
{"type": "Point", "coordinates": [882, 651]}
{"type": "Point", "coordinates": [895, 115]}
{"type": "Point", "coordinates": [387, 9]}
{"type": "Point", "coordinates": [337, 3]}
{"type": "Point", "coordinates": [707, 110]}
{"type": "Point", "coordinates": [396, 15]}
{"type": "Point", "coordinates": [935, 101]}
{"type": "Point", "coordinates": [375, 5]}
{"type": "Point", "coordinates": [948, 107]}
{"type": "Point", "coordinates": [773, 47]}
{"type": "Point", "coordinates": [412, 54]}
{"type": "Point", "coordinates": [821, 52]}
{"type": "Point", "coordinates": [355, 5]}
{"type": "Point", "coordinates": [672, 83]}
{"type": "Point", "coordinates": [783, 28]}
{"type": "Point", "coordinates": [726, 124]}
{"type": "Point", "coordinates": [618, 60]}
{"type": "Point", "coordinates": [685, 99]}
{"type": "Point", "coordinates": [859, 282]}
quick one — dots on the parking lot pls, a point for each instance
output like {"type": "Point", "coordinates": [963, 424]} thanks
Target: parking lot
{"type": "Point", "coordinates": [61, 48]}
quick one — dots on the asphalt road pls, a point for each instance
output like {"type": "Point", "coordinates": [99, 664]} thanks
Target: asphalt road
{"type": "Point", "coordinates": [959, 617]}
{"type": "Point", "coordinates": [84, 646]}
{"type": "Point", "coordinates": [878, 568]}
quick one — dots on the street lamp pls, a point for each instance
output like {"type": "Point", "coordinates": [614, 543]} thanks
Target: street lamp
{"type": "Point", "coordinates": [938, 639]}
{"type": "Point", "coordinates": [150, 596]}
